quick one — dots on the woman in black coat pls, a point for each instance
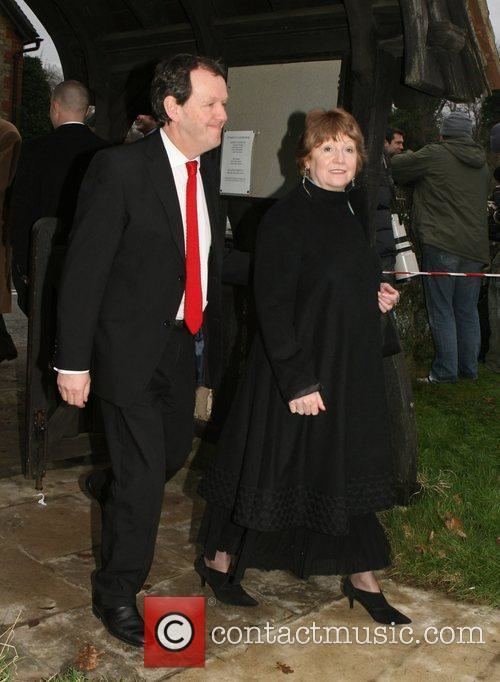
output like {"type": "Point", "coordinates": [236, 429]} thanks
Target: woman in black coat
{"type": "Point", "coordinates": [304, 460]}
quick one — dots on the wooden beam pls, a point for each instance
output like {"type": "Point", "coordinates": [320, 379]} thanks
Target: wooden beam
{"type": "Point", "coordinates": [68, 42]}
{"type": "Point", "coordinates": [483, 31]}
{"type": "Point", "coordinates": [369, 79]}
{"type": "Point", "coordinates": [140, 13]}
{"type": "Point", "coordinates": [201, 17]}
{"type": "Point", "coordinates": [441, 54]}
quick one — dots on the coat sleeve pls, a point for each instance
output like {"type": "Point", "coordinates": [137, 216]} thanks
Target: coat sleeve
{"type": "Point", "coordinates": [277, 266]}
{"type": "Point", "coordinates": [97, 229]}
{"type": "Point", "coordinates": [25, 202]}
{"type": "Point", "coordinates": [411, 166]}
{"type": "Point", "coordinates": [9, 152]}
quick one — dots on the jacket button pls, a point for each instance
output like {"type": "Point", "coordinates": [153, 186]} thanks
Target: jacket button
{"type": "Point", "coordinates": [181, 278]}
{"type": "Point", "coordinates": [167, 323]}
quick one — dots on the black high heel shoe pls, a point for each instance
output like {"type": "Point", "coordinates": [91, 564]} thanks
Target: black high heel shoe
{"type": "Point", "coordinates": [375, 603]}
{"type": "Point", "coordinates": [224, 589]}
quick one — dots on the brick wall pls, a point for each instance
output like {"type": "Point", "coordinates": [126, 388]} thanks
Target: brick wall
{"type": "Point", "coordinates": [10, 44]}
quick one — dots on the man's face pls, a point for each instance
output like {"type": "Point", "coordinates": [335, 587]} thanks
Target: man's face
{"type": "Point", "coordinates": [197, 124]}
{"type": "Point", "coordinates": [395, 146]}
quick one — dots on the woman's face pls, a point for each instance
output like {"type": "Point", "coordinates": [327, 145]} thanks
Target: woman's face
{"type": "Point", "coordinates": [332, 165]}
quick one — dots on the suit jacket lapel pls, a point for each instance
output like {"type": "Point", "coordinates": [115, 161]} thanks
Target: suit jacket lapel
{"type": "Point", "coordinates": [162, 180]}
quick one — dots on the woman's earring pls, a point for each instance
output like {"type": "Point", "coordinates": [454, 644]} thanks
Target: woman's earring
{"type": "Point", "coordinates": [353, 181]}
{"type": "Point", "coordinates": [304, 176]}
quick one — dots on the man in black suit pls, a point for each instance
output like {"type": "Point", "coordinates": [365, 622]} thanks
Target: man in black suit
{"type": "Point", "coordinates": [142, 274]}
{"type": "Point", "coordinates": [49, 175]}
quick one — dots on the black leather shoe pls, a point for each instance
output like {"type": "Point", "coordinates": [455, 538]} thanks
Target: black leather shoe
{"type": "Point", "coordinates": [123, 622]}
{"type": "Point", "coordinates": [375, 603]}
{"type": "Point", "coordinates": [226, 591]}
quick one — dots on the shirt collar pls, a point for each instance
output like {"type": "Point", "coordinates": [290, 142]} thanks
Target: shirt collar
{"type": "Point", "coordinates": [175, 156]}
{"type": "Point", "coordinates": [67, 123]}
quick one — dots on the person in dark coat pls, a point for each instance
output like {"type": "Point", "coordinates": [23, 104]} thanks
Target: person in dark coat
{"type": "Point", "coordinates": [49, 175]}
{"type": "Point", "coordinates": [384, 236]}
{"type": "Point", "coordinates": [304, 460]}
{"type": "Point", "coordinates": [10, 142]}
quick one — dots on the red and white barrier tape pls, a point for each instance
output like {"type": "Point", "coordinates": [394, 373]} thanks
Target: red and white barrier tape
{"type": "Point", "coordinates": [442, 274]}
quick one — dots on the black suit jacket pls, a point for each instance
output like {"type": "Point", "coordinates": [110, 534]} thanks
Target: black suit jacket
{"type": "Point", "coordinates": [124, 274]}
{"type": "Point", "coordinates": [48, 178]}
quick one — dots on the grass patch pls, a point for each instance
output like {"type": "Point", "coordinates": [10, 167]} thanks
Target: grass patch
{"type": "Point", "coordinates": [75, 675]}
{"type": "Point", "coordinates": [448, 537]}
{"type": "Point", "coordinates": [70, 675]}
{"type": "Point", "coordinates": [8, 654]}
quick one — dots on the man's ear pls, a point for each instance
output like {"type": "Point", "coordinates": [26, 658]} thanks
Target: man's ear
{"type": "Point", "coordinates": [171, 106]}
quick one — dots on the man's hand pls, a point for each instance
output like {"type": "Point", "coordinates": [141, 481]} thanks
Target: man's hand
{"type": "Point", "coordinates": [74, 388]}
{"type": "Point", "coordinates": [309, 404]}
{"type": "Point", "coordinates": [388, 297]}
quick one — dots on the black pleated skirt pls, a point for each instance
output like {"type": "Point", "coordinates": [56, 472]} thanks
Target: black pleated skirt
{"type": "Point", "coordinates": [299, 550]}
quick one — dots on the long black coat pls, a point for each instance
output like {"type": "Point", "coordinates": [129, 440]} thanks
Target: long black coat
{"type": "Point", "coordinates": [316, 283]}
{"type": "Point", "coordinates": [48, 179]}
{"type": "Point", "coordinates": [124, 273]}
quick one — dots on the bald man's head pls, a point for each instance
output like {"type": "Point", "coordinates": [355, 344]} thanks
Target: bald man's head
{"type": "Point", "coordinates": [70, 102]}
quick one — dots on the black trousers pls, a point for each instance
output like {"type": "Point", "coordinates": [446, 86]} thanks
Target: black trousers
{"type": "Point", "coordinates": [148, 442]}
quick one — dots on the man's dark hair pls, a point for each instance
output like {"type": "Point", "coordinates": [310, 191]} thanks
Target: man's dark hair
{"type": "Point", "coordinates": [390, 132]}
{"type": "Point", "coordinates": [173, 77]}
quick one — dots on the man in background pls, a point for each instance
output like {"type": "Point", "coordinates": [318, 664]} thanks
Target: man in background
{"type": "Point", "coordinates": [384, 235]}
{"type": "Point", "coordinates": [145, 124]}
{"type": "Point", "coordinates": [10, 142]}
{"type": "Point", "coordinates": [451, 184]}
{"type": "Point", "coordinates": [49, 175]}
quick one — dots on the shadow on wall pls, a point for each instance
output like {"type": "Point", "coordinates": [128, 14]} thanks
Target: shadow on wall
{"type": "Point", "coordinates": [286, 153]}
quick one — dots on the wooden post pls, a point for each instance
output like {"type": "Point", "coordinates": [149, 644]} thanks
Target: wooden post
{"type": "Point", "coordinates": [369, 79]}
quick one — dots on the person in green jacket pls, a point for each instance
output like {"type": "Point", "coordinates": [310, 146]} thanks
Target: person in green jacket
{"type": "Point", "coordinates": [451, 184]}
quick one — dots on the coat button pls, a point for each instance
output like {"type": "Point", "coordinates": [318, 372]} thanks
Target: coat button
{"type": "Point", "coordinates": [181, 278]}
{"type": "Point", "coordinates": [167, 323]}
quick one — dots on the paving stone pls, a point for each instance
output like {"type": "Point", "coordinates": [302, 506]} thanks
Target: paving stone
{"type": "Point", "coordinates": [180, 539]}
{"type": "Point", "coordinates": [384, 662]}
{"type": "Point", "coordinates": [76, 569]}
{"type": "Point", "coordinates": [54, 646]}
{"type": "Point", "coordinates": [167, 565]}
{"type": "Point", "coordinates": [56, 483]}
{"type": "Point", "coordinates": [62, 527]}
{"type": "Point", "coordinates": [298, 596]}
{"type": "Point", "coordinates": [33, 590]}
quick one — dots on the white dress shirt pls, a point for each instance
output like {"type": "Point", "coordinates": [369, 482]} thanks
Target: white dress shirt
{"type": "Point", "coordinates": [178, 164]}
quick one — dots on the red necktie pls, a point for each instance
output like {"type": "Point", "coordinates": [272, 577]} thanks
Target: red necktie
{"type": "Point", "coordinates": [193, 309]}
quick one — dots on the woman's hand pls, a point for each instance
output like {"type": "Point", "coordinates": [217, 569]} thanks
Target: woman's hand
{"type": "Point", "coordinates": [388, 297]}
{"type": "Point", "coordinates": [309, 404]}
